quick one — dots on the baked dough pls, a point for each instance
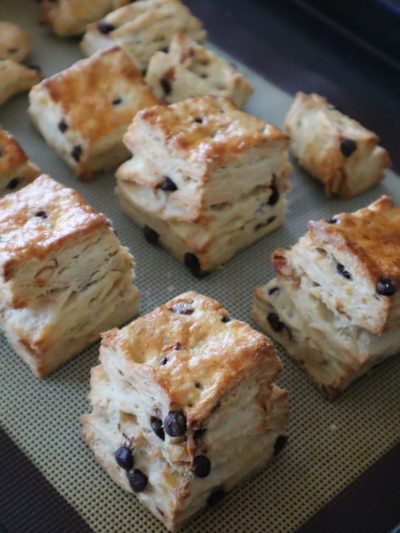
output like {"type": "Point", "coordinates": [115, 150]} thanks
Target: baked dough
{"type": "Point", "coordinates": [64, 277]}
{"type": "Point", "coordinates": [70, 17]}
{"type": "Point", "coordinates": [189, 70]}
{"type": "Point", "coordinates": [14, 42]}
{"type": "Point", "coordinates": [335, 304]}
{"type": "Point", "coordinates": [16, 78]}
{"type": "Point", "coordinates": [16, 170]}
{"type": "Point", "coordinates": [207, 178]}
{"type": "Point", "coordinates": [84, 111]}
{"type": "Point", "coordinates": [142, 29]}
{"type": "Point", "coordinates": [335, 149]}
{"type": "Point", "coordinates": [173, 387]}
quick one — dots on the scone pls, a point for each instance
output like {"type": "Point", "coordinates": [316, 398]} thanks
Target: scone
{"type": "Point", "coordinates": [84, 111]}
{"type": "Point", "coordinates": [142, 29]}
{"type": "Point", "coordinates": [14, 42]}
{"type": "Point", "coordinates": [335, 149]}
{"type": "Point", "coordinates": [16, 78]}
{"type": "Point", "coordinates": [16, 170]}
{"type": "Point", "coordinates": [189, 70]}
{"type": "Point", "coordinates": [206, 179]}
{"type": "Point", "coordinates": [70, 17]}
{"type": "Point", "coordinates": [168, 398]}
{"type": "Point", "coordinates": [335, 305]}
{"type": "Point", "coordinates": [64, 277]}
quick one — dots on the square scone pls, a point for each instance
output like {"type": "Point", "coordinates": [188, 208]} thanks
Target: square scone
{"type": "Point", "coordinates": [64, 277]}
{"type": "Point", "coordinates": [335, 305]}
{"type": "Point", "coordinates": [84, 111]}
{"type": "Point", "coordinates": [189, 70]}
{"type": "Point", "coordinates": [142, 29]}
{"type": "Point", "coordinates": [168, 396]}
{"type": "Point", "coordinates": [335, 149]}
{"type": "Point", "coordinates": [70, 17]}
{"type": "Point", "coordinates": [16, 170]}
{"type": "Point", "coordinates": [206, 179]}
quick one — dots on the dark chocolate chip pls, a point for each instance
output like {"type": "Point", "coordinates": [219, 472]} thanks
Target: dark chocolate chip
{"type": "Point", "coordinates": [273, 290]}
{"type": "Point", "coordinates": [215, 498]}
{"type": "Point", "coordinates": [343, 272]}
{"type": "Point", "coordinates": [168, 185]}
{"type": "Point", "coordinates": [199, 120]}
{"type": "Point", "coordinates": [166, 85]}
{"type": "Point", "coordinates": [280, 443]}
{"type": "Point", "coordinates": [41, 214]}
{"type": "Point", "coordinates": [201, 466]}
{"type": "Point", "coordinates": [104, 27]}
{"type": "Point", "coordinates": [198, 434]}
{"type": "Point", "coordinates": [175, 424]}
{"type": "Point", "coordinates": [331, 220]}
{"type": "Point", "coordinates": [275, 323]}
{"type": "Point", "coordinates": [157, 427]}
{"type": "Point", "coordinates": [347, 147]}
{"type": "Point", "coordinates": [178, 346]}
{"type": "Point", "coordinates": [386, 286]}
{"type": "Point", "coordinates": [198, 386]}
{"type": "Point", "coordinates": [226, 319]}
{"type": "Point", "coordinates": [137, 481]}
{"type": "Point", "coordinates": [62, 126]}
{"type": "Point", "coordinates": [117, 101]}
{"type": "Point", "coordinates": [150, 235]}
{"type": "Point", "coordinates": [164, 361]}
{"type": "Point", "coordinates": [165, 50]}
{"type": "Point", "coordinates": [76, 153]}
{"type": "Point", "coordinates": [1, 153]}
{"type": "Point", "coordinates": [192, 262]}
{"type": "Point", "coordinates": [124, 458]}
{"type": "Point", "coordinates": [159, 510]}
{"type": "Point", "coordinates": [182, 308]}
{"type": "Point", "coordinates": [275, 195]}
{"type": "Point", "coordinates": [13, 184]}
{"type": "Point", "coordinates": [270, 220]}
{"type": "Point", "coordinates": [34, 67]}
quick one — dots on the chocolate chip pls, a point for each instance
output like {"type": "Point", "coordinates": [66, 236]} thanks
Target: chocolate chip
{"type": "Point", "coordinates": [201, 466]}
{"type": "Point", "coordinates": [150, 235]}
{"type": "Point", "coordinates": [41, 214]}
{"type": "Point", "coordinates": [165, 50]}
{"type": "Point", "coordinates": [117, 101]}
{"type": "Point", "coordinates": [198, 434]}
{"type": "Point", "coordinates": [270, 220]}
{"type": "Point", "coordinates": [178, 346]}
{"type": "Point", "coordinates": [343, 272]}
{"type": "Point", "coordinates": [137, 481]}
{"type": "Point", "coordinates": [34, 67]}
{"type": "Point", "coordinates": [216, 497]}
{"type": "Point", "coordinates": [12, 50]}
{"type": "Point", "coordinates": [62, 126]}
{"type": "Point", "coordinates": [192, 262]}
{"type": "Point", "coordinates": [199, 120]}
{"type": "Point", "coordinates": [13, 184]}
{"type": "Point", "coordinates": [275, 323]}
{"type": "Point", "coordinates": [198, 386]}
{"type": "Point", "coordinates": [182, 308]}
{"type": "Point", "coordinates": [1, 153]}
{"type": "Point", "coordinates": [104, 27]}
{"type": "Point", "coordinates": [275, 195]}
{"type": "Point", "coordinates": [168, 185]}
{"type": "Point", "coordinates": [166, 85]}
{"type": "Point", "coordinates": [157, 427]}
{"type": "Point", "coordinates": [175, 423]}
{"type": "Point", "coordinates": [76, 153]}
{"type": "Point", "coordinates": [386, 286]}
{"type": "Point", "coordinates": [273, 290]}
{"type": "Point", "coordinates": [226, 319]}
{"type": "Point", "coordinates": [164, 361]}
{"type": "Point", "coordinates": [280, 443]}
{"type": "Point", "coordinates": [347, 147]}
{"type": "Point", "coordinates": [331, 220]}
{"type": "Point", "coordinates": [159, 510]}
{"type": "Point", "coordinates": [124, 458]}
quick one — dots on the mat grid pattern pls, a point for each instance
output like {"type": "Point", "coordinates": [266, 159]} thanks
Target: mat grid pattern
{"type": "Point", "coordinates": [329, 444]}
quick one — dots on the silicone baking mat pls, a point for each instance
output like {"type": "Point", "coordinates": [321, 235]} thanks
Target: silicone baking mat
{"type": "Point", "coordinates": [329, 444]}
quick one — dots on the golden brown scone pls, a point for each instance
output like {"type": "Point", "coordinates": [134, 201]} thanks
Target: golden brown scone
{"type": "Point", "coordinates": [142, 29]}
{"type": "Point", "coordinates": [16, 170]}
{"type": "Point", "coordinates": [206, 179]}
{"type": "Point", "coordinates": [84, 111]}
{"type": "Point", "coordinates": [335, 149]}
{"type": "Point", "coordinates": [70, 17]}
{"type": "Point", "coordinates": [16, 78]}
{"type": "Point", "coordinates": [335, 305]}
{"type": "Point", "coordinates": [14, 42]}
{"type": "Point", "coordinates": [64, 277]}
{"type": "Point", "coordinates": [170, 392]}
{"type": "Point", "coordinates": [189, 70]}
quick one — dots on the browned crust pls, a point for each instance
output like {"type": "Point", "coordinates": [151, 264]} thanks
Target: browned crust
{"type": "Point", "coordinates": [11, 153]}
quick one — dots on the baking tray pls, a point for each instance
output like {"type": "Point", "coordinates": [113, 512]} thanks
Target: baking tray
{"type": "Point", "coordinates": [330, 445]}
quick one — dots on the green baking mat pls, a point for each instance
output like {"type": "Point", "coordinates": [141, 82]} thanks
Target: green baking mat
{"type": "Point", "coordinates": [329, 444]}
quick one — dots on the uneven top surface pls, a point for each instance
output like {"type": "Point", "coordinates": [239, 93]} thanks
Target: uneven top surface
{"type": "Point", "coordinates": [11, 154]}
